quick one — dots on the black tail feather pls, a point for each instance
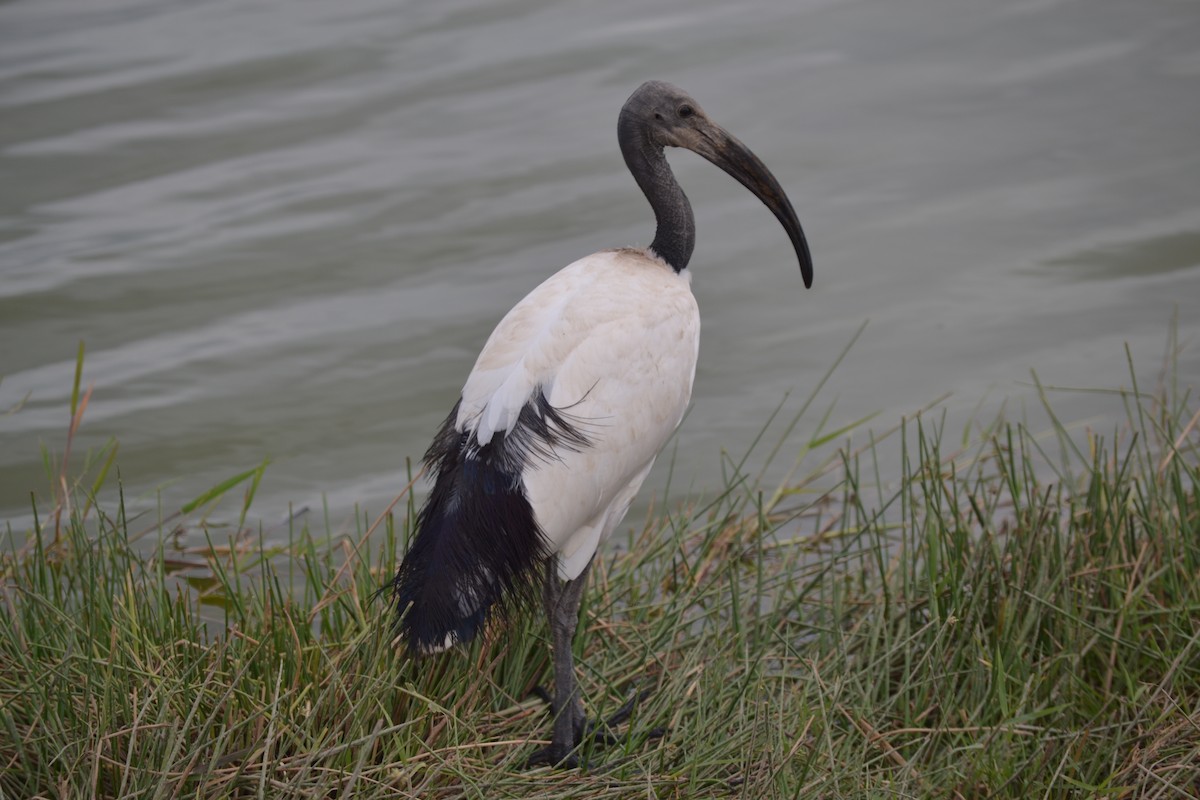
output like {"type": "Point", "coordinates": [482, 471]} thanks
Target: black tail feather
{"type": "Point", "coordinates": [477, 546]}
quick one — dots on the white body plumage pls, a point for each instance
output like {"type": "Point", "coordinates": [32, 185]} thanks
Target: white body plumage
{"type": "Point", "coordinates": [611, 341]}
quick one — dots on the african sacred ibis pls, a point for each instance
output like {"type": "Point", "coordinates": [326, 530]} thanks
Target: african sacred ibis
{"type": "Point", "coordinates": [575, 392]}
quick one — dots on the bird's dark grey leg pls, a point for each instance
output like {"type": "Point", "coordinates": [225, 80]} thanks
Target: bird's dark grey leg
{"type": "Point", "coordinates": [562, 599]}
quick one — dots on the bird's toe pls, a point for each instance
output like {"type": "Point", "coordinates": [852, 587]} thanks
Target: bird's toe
{"type": "Point", "coordinates": [551, 756]}
{"type": "Point", "coordinates": [602, 730]}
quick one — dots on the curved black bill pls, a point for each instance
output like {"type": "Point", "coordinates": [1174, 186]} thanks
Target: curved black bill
{"type": "Point", "coordinates": [727, 152]}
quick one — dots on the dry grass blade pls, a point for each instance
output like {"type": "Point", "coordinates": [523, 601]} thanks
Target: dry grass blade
{"type": "Point", "coordinates": [963, 629]}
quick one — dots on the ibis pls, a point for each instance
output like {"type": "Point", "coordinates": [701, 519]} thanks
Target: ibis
{"type": "Point", "coordinates": [572, 397]}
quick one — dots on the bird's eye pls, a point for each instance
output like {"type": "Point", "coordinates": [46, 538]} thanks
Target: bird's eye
{"type": "Point", "coordinates": [686, 111]}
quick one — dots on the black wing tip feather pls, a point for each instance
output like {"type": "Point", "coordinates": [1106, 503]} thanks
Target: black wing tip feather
{"type": "Point", "coordinates": [478, 545]}
{"type": "Point", "coordinates": [474, 562]}
{"type": "Point", "coordinates": [467, 567]}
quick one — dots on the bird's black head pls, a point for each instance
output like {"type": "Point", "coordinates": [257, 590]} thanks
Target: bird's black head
{"type": "Point", "coordinates": [667, 114]}
{"type": "Point", "coordinates": [659, 115]}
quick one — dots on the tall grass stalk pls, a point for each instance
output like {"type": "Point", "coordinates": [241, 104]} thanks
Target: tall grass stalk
{"type": "Point", "coordinates": [1000, 622]}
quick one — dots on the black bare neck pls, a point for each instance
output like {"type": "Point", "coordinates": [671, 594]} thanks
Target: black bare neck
{"type": "Point", "coordinates": [675, 237]}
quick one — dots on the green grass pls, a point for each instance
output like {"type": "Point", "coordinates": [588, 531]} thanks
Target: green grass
{"type": "Point", "coordinates": [1017, 615]}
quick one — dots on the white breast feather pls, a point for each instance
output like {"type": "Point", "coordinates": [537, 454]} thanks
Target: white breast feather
{"type": "Point", "coordinates": [612, 340]}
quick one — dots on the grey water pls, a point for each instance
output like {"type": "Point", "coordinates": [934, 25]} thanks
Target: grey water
{"type": "Point", "coordinates": [283, 229]}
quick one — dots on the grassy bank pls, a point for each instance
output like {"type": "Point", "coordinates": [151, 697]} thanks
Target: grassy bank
{"type": "Point", "coordinates": [1018, 616]}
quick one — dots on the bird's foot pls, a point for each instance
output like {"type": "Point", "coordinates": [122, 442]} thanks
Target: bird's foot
{"type": "Point", "coordinates": [551, 756]}
{"type": "Point", "coordinates": [598, 731]}
{"type": "Point", "coordinates": [603, 730]}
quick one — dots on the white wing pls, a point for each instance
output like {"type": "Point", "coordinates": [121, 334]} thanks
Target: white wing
{"type": "Point", "coordinates": [611, 340]}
